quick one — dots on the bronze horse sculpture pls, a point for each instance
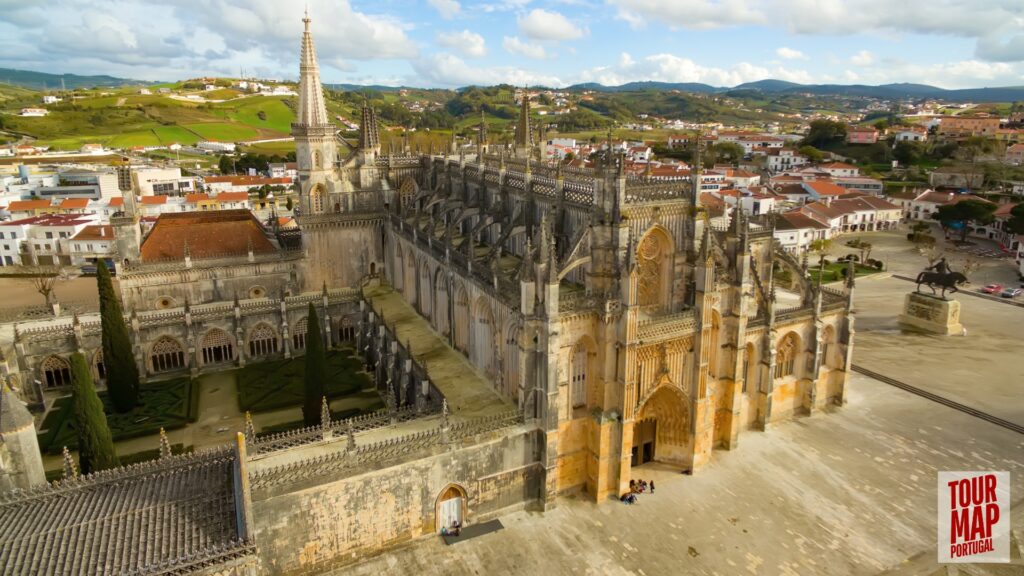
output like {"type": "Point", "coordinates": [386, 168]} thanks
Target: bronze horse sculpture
{"type": "Point", "coordinates": [947, 281]}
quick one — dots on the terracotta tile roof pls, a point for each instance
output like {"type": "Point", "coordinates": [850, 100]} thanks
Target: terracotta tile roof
{"type": "Point", "coordinates": [95, 232]}
{"type": "Point", "coordinates": [197, 197]}
{"type": "Point", "coordinates": [154, 200]}
{"type": "Point", "coordinates": [837, 166]}
{"type": "Point", "coordinates": [246, 180]}
{"type": "Point", "coordinates": [796, 220]}
{"type": "Point", "coordinates": [821, 210]}
{"type": "Point", "coordinates": [825, 188]}
{"type": "Point", "coordinates": [208, 234]}
{"type": "Point", "coordinates": [23, 205]}
{"type": "Point", "coordinates": [714, 205]}
{"type": "Point", "coordinates": [232, 196]}
{"type": "Point", "coordinates": [71, 203]}
{"type": "Point", "coordinates": [116, 202]}
{"type": "Point", "coordinates": [50, 220]}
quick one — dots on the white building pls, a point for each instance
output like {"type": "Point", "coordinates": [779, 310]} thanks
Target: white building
{"type": "Point", "coordinates": [162, 181]}
{"type": "Point", "coordinates": [840, 170]}
{"type": "Point", "coordinates": [216, 146]}
{"type": "Point", "coordinates": [34, 112]}
{"type": "Point", "coordinates": [93, 242]}
{"type": "Point", "coordinates": [781, 159]}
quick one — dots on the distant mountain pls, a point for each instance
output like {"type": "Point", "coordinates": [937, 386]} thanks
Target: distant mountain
{"type": "Point", "coordinates": [648, 85]}
{"type": "Point", "coordinates": [887, 91]}
{"type": "Point", "coordinates": [767, 86]}
{"type": "Point", "coordinates": [43, 80]}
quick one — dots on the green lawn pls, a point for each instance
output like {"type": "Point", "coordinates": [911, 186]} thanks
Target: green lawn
{"type": "Point", "coordinates": [263, 112]}
{"type": "Point", "coordinates": [172, 134]}
{"type": "Point", "coordinates": [222, 131]}
{"type": "Point", "coordinates": [136, 138]}
{"type": "Point", "coordinates": [270, 148]}
{"type": "Point", "coordinates": [279, 384]}
{"type": "Point", "coordinates": [170, 404]}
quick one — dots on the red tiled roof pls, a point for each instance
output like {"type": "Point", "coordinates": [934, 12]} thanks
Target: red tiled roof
{"type": "Point", "coordinates": [825, 188]}
{"type": "Point", "coordinates": [197, 197]}
{"type": "Point", "coordinates": [247, 180]}
{"type": "Point", "coordinates": [51, 220]}
{"type": "Point", "coordinates": [116, 202]}
{"type": "Point", "coordinates": [797, 220]}
{"type": "Point", "coordinates": [95, 232]}
{"type": "Point", "coordinates": [232, 196]}
{"type": "Point", "coordinates": [23, 205]}
{"type": "Point", "coordinates": [837, 166]}
{"type": "Point", "coordinates": [70, 203]}
{"type": "Point", "coordinates": [154, 200]}
{"type": "Point", "coordinates": [213, 233]}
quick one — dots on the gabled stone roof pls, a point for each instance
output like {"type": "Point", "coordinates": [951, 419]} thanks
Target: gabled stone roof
{"type": "Point", "coordinates": [130, 520]}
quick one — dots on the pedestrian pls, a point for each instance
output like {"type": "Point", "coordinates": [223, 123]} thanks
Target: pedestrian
{"type": "Point", "coordinates": [963, 331]}
{"type": "Point", "coordinates": [652, 486]}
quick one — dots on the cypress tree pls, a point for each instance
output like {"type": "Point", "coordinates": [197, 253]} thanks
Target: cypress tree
{"type": "Point", "coordinates": [118, 359]}
{"type": "Point", "coordinates": [316, 369]}
{"type": "Point", "coordinates": [95, 446]}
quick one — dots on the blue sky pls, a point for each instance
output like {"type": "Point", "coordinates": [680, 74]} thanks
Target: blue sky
{"type": "Point", "coordinates": [450, 43]}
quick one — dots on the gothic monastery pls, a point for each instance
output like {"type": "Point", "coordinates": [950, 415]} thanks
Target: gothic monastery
{"type": "Point", "coordinates": [569, 324]}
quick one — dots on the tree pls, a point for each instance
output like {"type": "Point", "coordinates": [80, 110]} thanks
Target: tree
{"type": "Point", "coordinates": [919, 231]}
{"type": "Point", "coordinates": [812, 153]}
{"type": "Point", "coordinates": [316, 369]}
{"type": "Point", "coordinates": [824, 132]}
{"type": "Point", "coordinates": [960, 215]}
{"type": "Point", "coordinates": [118, 358]}
{"type": "Point", "coordinates": [820, 247]}
{"type": "Point", "coordinates": [225, 165]}
{"type": "Point", "coordinates": [907, 153]}
{"type": "Point", "coordinates": [730, 151]}
{"type": "Point", "coordinates": [44, 279]}
{"type": "Point", "coordinates": [1016, 221]}
{"type": "Point", "coordinates": [95, 445]}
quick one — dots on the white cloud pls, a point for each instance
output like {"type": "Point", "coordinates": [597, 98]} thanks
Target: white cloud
{"type": "Point", "coordinates": [671, 68]}
{"type": "Point", "coordinates": [541, 24]}
{"type": "Point", "coordinates": [862, 58]}
{"type": "Point", "coordinates": [448, 70]}
{"type": "Point", "coordinates": [465, 42]}
{"type": "Point", "coordinates": [995, 28]}
{"type": "Point", "coordinates": [448, 9]}
{"type": "Point", "coordinates": [513, 45]}
{"type": "Point", "coordinates": [790, 54]}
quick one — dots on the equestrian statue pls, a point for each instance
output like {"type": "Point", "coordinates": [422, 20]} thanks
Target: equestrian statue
{"type": "Point", "coordinates": [940, 275]}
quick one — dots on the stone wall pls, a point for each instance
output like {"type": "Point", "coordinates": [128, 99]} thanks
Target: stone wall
{"type": "Point", "coordinates": [308, 530]}
{"type": "Point", "coordinates": [341, 250]}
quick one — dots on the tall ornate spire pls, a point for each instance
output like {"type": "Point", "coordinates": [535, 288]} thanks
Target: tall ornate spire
{"type": "Point", "coordinates": [369, 134]}
{"type": "Point", "coordinates": [524, 135]}
{"type": "Point", "coordinates": [312, 111]}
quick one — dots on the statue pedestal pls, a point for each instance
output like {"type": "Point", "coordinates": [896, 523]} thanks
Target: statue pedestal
{"type": "Point", "coordinates": [931, 314]}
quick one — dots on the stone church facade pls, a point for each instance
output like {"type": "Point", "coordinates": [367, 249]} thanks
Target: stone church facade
{"type": "Point", "coordinates": [617, 319]}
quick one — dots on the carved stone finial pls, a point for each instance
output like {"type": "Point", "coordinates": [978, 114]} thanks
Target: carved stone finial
{"type": "Point", "coordinates": [325, 413]}
{"type": "Point", "coordinates": [165, 445]}
{"type": "Point", "coordinates": [70, 470]}
{"type": "Point", "coordinates": [351, 434]}
{"type": "Point", "coordinates": [250, 429]}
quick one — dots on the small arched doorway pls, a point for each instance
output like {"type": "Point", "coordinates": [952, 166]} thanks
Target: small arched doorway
{"type": "Point", "coordinates": [450, 509]}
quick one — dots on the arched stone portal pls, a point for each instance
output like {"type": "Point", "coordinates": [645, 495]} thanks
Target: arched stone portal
{"type": "Point", "coordinates": [166, 355]}
{"type": "Point", "coordinates": [426, 299]}
{"type": "Point", "coordinates": [661, 430]}
{"type": "Point", "coordinates": [450, 508]}
{"type": "Point", "coordinates": [654, 274]}
{"type": "Point", "coordinates": [460, 328]}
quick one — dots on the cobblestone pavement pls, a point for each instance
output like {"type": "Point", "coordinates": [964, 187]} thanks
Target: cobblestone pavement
{"type": "Point", "coordinates": [848, 492]}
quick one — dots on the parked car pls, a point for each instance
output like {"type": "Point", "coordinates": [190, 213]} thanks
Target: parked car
{"type": "Point", "coordinates": [992, 288]}
{"type": "Point", "coordinates": [1011, 292]}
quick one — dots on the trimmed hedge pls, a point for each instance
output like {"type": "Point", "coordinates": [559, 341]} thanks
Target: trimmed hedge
{"type": "Point", "coordinates": [170, 404]}
{"type": "Point", "coordinates": [280, 384]}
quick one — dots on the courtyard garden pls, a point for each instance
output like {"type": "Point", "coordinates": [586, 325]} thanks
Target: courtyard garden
{"type": "Point", "coordinates": [167, 404]}
{"type": "Point", "coordinates": [279, 384]}
{"type": "Point", "coordinates": [835, 271]}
